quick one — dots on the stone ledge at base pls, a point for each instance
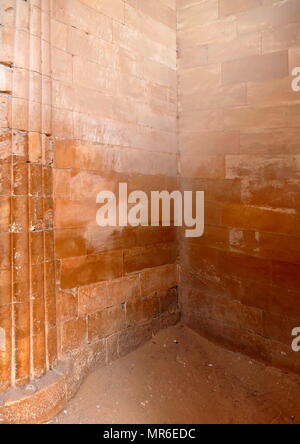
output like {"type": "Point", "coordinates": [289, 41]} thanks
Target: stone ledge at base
{"type": "Point", "coordinates": [40, 400]}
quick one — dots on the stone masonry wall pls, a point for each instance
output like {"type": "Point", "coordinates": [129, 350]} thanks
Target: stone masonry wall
{"type": "Point", "coordinates": [88, 99]}
{"type": "Point", "coordinates": [90, 92]}
{"type": "Point", "coordinates": [239, 142]}
{"type": "Point", "coordinates": [114, 103]}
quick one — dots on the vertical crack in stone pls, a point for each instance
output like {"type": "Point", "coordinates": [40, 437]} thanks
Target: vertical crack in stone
{"type": "Point", "coordinates": [2, 340]}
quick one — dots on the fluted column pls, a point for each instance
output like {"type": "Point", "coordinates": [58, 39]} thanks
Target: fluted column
{"type": "Point", "coordinates": [7, 31]}
{"type": "Point", "coordinates": [29, 317]}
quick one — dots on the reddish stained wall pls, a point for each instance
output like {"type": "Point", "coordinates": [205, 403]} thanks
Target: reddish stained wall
{"type": "Point", "coordinates": [114, 120]}
{"type": "Point", "coordinates": [239, 141]}
{"type": "Point", "coordinates": [88, 94]}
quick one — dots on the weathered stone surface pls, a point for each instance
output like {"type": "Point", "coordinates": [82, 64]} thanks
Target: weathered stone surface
{"type": "Point", "coordinates": [89, 99]}
{"type": "Point", "coordinates": [239, 141]}
{"type": "Point", "coordinates": [41, 400]}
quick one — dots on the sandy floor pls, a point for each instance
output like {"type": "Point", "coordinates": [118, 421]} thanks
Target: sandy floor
{"type": "Point", "coordinates": [180, 377]}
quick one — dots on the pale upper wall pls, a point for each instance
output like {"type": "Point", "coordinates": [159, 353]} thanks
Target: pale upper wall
{"type": "Point", "coordinates": [115, 62]}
